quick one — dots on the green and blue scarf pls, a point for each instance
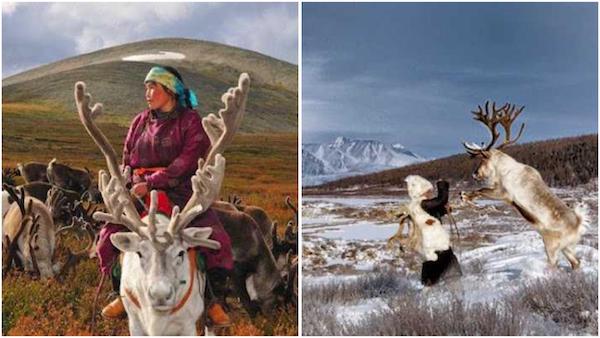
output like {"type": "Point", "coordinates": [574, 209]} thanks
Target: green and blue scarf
{"type": "Point", "coordinates": [186, 97]}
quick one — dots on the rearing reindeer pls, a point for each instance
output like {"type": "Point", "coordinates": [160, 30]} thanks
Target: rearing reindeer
{"type": "Point", "coordinates": [522, 187]}
{"type": "Point", "coordinates": [161, 287]}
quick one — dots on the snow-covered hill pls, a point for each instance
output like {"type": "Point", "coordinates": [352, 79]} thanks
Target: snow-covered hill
{"type": "Point", "coordinates": [323, 162]}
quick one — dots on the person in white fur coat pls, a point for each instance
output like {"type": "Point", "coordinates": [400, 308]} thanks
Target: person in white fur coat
{"type": "Point", "coordinates": [426, 212]}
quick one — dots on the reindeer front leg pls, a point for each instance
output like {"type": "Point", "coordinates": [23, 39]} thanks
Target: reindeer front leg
{"type": "Point", "coordinates": [495, 192]}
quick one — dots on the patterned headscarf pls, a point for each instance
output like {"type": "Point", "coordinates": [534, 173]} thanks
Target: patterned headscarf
{"type": "Point", "coordinates": [186, 97]}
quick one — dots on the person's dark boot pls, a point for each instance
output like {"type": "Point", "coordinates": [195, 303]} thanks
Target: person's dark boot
{"type": "Point", "coordinates": [217, 279]}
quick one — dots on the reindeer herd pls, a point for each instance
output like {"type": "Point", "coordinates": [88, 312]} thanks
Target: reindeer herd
{"type": "Point", "coordinates": [160, 299]}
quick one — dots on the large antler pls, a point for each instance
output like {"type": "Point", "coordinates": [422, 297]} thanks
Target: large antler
{"type": "Point", "coordinates": [489, 119]}
{"type": "Point", "coordinates": [221, 129]}
{"type": "Point", "coordinates": [206, 185]}
{"type": "Point", "coordinates": [508, 116]}
{"type": "Point", "coordinates": [114, 192]}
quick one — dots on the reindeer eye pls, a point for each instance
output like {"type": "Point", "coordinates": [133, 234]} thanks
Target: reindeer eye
{"type": "Point", "coordinates": [139, 254]}
{"type": "Point", "coordinates": [180, 254]}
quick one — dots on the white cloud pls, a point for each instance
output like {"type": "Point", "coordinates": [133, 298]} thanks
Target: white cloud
{"type": "Point", "coordinates": [273, 32]}
{"type": "Point", "coordinates": [101, 25]}
{"type": "Point", "coordinates": [8, 7]}
{"type": "Point", "coordinates": [58, 30]}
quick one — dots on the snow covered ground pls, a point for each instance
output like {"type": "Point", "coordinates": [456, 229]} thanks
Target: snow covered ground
{"type": "Point", "coordinates": [499, 252]}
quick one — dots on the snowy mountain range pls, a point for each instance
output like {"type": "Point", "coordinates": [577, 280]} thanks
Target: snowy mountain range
{"type": "Point", "coordinates": [324, 162]}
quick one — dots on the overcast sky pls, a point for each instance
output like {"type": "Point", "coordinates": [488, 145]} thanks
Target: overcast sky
{"type": "Point", "coordinates": [412, 72]}
{"type": "Point", "coordinates": [38, 33]}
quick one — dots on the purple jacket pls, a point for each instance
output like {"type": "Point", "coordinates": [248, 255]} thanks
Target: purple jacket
{"type": "Point", "coordinates": [174, 141]}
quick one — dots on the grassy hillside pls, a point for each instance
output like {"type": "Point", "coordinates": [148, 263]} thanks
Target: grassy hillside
{"type": "Point", "coordinates": [209, 68]}
{"type": "Point", "coordinates": [261, 168]}
{"type": "Point", "coordinates": [561, 162]}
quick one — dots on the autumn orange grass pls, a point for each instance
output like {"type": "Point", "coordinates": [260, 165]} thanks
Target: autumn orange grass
{"type": "Point", "coordinates": [261, 169]}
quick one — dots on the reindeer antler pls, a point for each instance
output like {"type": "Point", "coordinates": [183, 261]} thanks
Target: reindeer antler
{"type": "Point", "coordinates": [288, 201]}
{"type": "Point", "coordinates": [504, 116]}
{"type": "Point", "coordinates": [18, 198]}
{"type": "Point", "coordinates": [114, 192]}
{"type": "Point", "coordinates": [509, 115]}
{"type": "Point", "coordinates": [79, 225]}
{"type": "Point", "coordinates": [221, 129]}
{"type": "Point", "coordinates": [55, 201]}
{"type": "Point", "coordinates": [206, 185]}
{"type": "Point", "coordinates": [12, 246]}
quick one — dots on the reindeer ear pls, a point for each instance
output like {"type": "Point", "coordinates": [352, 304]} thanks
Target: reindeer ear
{"type": "Point", "coordinates": [199, 237]}
{"type": "Point", "coordinates": [126, 241]}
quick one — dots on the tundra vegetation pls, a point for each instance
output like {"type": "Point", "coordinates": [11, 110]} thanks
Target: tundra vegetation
{"type": "Point", "coordinates": [261, 169]}
{"type": "Point", "coordinates": [567, 299]}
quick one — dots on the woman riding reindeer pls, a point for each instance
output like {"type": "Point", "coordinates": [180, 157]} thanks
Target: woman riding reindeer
{"type": "Point", "coordinates": [162, 148]}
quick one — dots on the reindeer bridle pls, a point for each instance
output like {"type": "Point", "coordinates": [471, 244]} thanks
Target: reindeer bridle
{"type": "Point", "coordinates": [503, 116]}
{"type": "Point", "coordinates": [193, 269]}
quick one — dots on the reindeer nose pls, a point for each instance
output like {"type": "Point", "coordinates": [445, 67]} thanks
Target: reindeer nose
{"type": "Point", "coordinates": [161, 292]}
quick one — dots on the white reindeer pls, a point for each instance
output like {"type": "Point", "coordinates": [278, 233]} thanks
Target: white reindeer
{"type": "Point", "coordinates": [161, 288]}
{"type": "Point", "coordinates": [29, 235]}
{"type": "Point", "coordinates": [522, 187]}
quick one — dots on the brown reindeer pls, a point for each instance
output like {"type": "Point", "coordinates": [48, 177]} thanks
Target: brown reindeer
{"type": "Point", "coordinates": [33, 172]}
{"type": "Point", "coordinates": [522, 187]}
{"type": "Point", "coordinates": [78, 180]}
{"type": "Point", "coordinates": [257, 213]}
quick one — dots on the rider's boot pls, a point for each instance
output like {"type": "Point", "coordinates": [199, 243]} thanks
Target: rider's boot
{"type": "Point", "coordinates": [217, 279]}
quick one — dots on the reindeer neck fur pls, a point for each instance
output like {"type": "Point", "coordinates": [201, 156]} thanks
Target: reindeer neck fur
{"type": "Point", "coordinates": [144, 320]}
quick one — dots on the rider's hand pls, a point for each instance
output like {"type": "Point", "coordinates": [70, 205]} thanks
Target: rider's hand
{"type": "Point", "coordinates": [140, 190]}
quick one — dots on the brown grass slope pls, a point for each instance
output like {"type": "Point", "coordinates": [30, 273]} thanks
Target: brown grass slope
{"type": "Point", "coordinates": [261, 169]}
{"type": "Point", "coordinates": [209, 68]}
{"type": "Point", "coordinates": [203, 55]}
{"type": "Point", "coordinates": [561, 162]}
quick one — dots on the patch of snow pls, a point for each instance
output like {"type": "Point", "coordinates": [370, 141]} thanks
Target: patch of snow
{"type": "Point", "coordinates": [363, 231]}
{"type": "Point", "coordinates": [356, 312]}
{"type": "Point", "coordinates": [351, 201]}
{"type": "Point", "coordinates": [161, 55]}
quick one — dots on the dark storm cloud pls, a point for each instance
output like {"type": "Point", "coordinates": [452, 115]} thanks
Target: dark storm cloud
{"type": "Point", "coordinates": [411, 72]}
